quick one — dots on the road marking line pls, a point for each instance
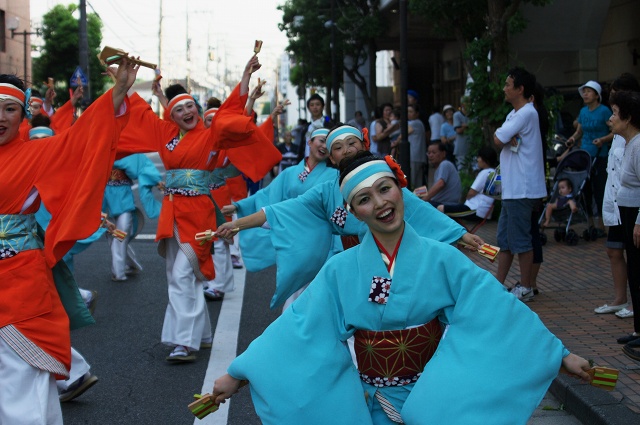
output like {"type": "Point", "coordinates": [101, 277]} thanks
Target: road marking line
{"type": "Point", "coordinates": [225, 346]}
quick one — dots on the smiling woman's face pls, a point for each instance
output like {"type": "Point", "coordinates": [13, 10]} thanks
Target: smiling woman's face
{"type": "Point", "coordinates": [10, 118]}
{"type": "Point", "coordinates": [185, 116]}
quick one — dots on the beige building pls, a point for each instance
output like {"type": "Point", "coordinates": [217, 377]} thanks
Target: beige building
{"type": "Point", "coordinates": [15, 14]}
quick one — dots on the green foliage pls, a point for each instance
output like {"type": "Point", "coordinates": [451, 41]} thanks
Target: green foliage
{"type": "Point", "coordinates": [60, 53]}
{"type": "Point", "coordinates": [307, 26]}
{"type": "Point", "coordinates": [486, 101]}
{"type": "Point", "coordinates": [483, 27]}
{"type": "Point", "coordinates": [309, 41]}
{"type": "Point", "coordinates": [450, 16]}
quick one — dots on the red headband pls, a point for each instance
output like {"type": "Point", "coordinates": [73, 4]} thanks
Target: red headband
{"type": "Point", "coordinates": [11, 92]}
{"type": "Point", "coordinates": [179, 100]}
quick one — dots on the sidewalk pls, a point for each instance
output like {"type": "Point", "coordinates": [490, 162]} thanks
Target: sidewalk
{"type": "Point", "coordinates": [574, 280]}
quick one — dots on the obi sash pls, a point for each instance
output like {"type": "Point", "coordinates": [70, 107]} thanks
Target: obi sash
{"type": "Point", "coordinates": [396, 358]}
{"type": "Point", "coordinates": [119, 178]}
{"type": "Point", "coordinates": [18, 232]}
{"type": "Point", "coordinates": [349, 241]}
{"type": "Point", "coordinates": [188, 182]}
{"type": "Point", "coordinates": [220, 175]}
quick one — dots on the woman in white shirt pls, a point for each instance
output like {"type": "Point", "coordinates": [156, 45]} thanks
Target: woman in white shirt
{"type": "Point", "coordinates": [476, 200]}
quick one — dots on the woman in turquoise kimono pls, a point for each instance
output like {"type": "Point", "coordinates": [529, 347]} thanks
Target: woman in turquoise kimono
{"type": "Point", "coordinates": [118, 202]}
{"type": "Point", "coordinates": [319, 213]}
{"type": "Point", "coordinates": [389, 292]}
{"type": "Point", "coordinates": [257, 251]}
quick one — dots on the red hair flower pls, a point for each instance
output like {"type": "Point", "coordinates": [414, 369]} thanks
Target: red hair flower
{"type": "Point", "coordinates": [365, 139]}
{"type": "Point", "coordinates": [395, 167]}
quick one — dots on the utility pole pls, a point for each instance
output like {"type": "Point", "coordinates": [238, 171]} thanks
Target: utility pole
{"type": "Point", "coordinates": [188, 54]}
{"type": "Point", "coordinates": [335, 75]}
{"type": "Point", "coordinates": [84, 50]}
{"type": "Point", "coordinates": [159, 111]}
{"type": "Point", "coordinates": [405, 152]}
{"type": "Point", "coordinates": [160, 38]}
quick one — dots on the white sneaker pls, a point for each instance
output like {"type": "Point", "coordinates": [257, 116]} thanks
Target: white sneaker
{"type": "Point", "coordinates": [605, 309]}
{"type": "Point", "coordinates": [522, 293]}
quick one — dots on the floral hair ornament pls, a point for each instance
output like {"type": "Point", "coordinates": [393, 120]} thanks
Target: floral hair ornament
{"type": "Point", "coordinates": [363, 176]}
{"type": "Point", "coordinates": [342, 133]}
{"type": "Point", "coordinates": [395, 167]}
{"type": "Point", "coordinates": [365, 139]}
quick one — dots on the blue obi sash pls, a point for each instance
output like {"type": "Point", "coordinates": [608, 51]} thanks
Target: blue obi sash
{"type": "Point", "coordinates": [18, 232]}
{"type": "Point", "coordinates": [188, 182]}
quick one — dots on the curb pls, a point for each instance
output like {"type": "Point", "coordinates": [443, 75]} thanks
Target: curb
{"type": "Point", "coordinates": [590, 405]}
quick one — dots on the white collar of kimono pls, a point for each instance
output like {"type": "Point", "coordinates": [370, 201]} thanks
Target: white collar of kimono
{"type": "Point", "coordinates": [11, 92]}
{"type": "Point", "coordinates": [210, 111]}
{"type": "Point", "coordinates": [180, 99]}
{"type": "Point", "coordinates": [364, 175]}
{"type": "Point", "coordinates": [342, 133]}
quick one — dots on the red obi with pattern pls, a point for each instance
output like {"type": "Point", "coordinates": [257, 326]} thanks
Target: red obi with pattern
{"type": "Point", "coordinates": [349, 241]}
{"type": "Point", "coordinates": [396, 358]}
{"type": "Point", "coordinates": [119, 178]}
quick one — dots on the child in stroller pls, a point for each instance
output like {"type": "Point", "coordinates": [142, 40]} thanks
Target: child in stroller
{"type": "Point", "coordinates": [565, 197]}
{"type": "Point", "coordinates": [574, 167]}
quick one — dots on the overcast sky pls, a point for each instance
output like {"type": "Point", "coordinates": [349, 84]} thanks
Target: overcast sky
{"type": "Point", "coordinates": [229, 28]}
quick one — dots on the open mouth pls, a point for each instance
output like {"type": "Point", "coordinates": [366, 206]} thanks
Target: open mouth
{"type": "Point", "coordinates": [322, 152]}
{"type": "Point", "coordinates": [387, 215]}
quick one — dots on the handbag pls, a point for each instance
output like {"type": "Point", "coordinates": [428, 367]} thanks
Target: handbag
{"type": "Point", "coordinates": [493, 185]}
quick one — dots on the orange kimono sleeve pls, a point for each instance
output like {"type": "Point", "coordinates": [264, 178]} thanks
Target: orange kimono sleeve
{"type": "Point", "coordinates": [145, 131]}
{"type": "Point", "coordinates": [63, 118]}
{"type": "Point", "coordinates": [257, 159]}
{"type": "Point", "coordinates": [78, 165]}
{"type": "Point", "coordinates": [237, 188]}
{"type": "Point", "coordinates": [24, 128]}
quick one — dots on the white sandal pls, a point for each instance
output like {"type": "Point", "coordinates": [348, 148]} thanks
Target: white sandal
{"type": "Point", "coordinates": [180, 354]}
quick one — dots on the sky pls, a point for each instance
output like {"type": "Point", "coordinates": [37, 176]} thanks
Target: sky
{"type": "Point", "coordinates": [227, 28]}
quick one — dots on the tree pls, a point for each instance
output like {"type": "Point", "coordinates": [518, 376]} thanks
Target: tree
{"type": "Point", "coordinates": [357, 25]}
{"type": "Point", "coordinates": [484, 44]}
{"type": "Point", "coordinates": [59, 55]}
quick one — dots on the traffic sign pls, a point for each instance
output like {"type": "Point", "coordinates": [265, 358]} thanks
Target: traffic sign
{"type": "Point", "coordinates": [78, 76]}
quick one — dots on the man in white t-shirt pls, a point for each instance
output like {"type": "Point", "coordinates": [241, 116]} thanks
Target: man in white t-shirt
{"type": "Point", "coordinates": [522, 175]}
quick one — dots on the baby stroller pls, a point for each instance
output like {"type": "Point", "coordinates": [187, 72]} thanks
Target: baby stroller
{"type": "Point", "coordinates": [576, 167]}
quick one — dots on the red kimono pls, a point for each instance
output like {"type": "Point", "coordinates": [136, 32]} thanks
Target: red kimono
{"type": "Point", "coordinates": [197, 149]}
{"type": "Point", "coordinates": [69, 172]}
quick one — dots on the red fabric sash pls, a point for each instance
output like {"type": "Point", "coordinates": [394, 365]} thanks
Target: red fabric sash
{"type": "Point", "coordinates": [396, 358]}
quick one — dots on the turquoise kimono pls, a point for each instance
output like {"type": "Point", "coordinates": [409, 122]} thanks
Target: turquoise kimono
{"type": "Point", "coordinates": [300, 370]}
{"type": "Point", "coordinates": [302, 232]}
{"type": "Point", "coordinates": [119, 199]}
{"type": "Point", "coordinates": [257, 251]}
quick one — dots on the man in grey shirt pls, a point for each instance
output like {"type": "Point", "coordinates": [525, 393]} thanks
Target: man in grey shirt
{"type": "Point", "coordinates": [418, 146]}
{"type": "Point", "coordinates": [446, 188]}
{"type": "Point", "coordinates": [460, 123]}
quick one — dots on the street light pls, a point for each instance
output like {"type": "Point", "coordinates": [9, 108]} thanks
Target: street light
{"type": "Point", "coordinates": [13, 25]}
